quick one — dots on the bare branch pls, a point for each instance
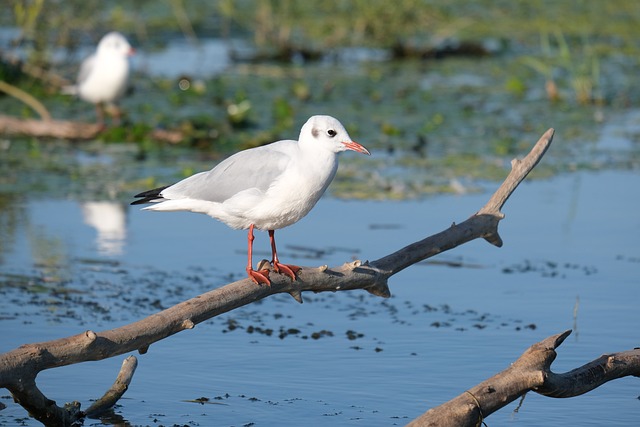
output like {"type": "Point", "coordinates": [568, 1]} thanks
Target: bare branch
{"type": "Point", "coordinates": [48, 128]}
{"type": "Point", "coordinates": [119, 387]}
{"type": "Point", "coordinates": [26, 98]}
{"type": "Point", "coordinates": [65, 129]}
{"type": "Point", "coordinates": [592, 375]}
{"type": "Point", "coordinates": [482, 224]}
{"type": "Point", "coordinates": [519, 171]}
{"type": "Point", "coordinates": [532, 371]}
{"type": "Point", "coordinates": [27, 394]}
{"type": "Point", "coordinates": [19, 367]}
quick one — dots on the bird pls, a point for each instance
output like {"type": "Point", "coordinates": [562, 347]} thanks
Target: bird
{"type": "Point", "coordinates": [104, 75]}
{"type": "Point", "coordinates": [266, 188]}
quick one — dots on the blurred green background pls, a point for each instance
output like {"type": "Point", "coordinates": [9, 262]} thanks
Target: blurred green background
{"type": "Point", "coordinates": [454, 87]}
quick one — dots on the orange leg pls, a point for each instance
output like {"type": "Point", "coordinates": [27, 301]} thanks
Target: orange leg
{"type": "Point", "coordinates": [258, 277]}
{"type": "Point", "coordinates": [100, 116]}
{"type": "Point", "coordinates": [289, 270]}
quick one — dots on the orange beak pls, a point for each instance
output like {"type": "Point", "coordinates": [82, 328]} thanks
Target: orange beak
{"type": "Point", "coordinates": [352, 145]}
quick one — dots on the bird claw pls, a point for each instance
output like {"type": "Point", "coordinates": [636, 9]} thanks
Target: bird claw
{"type": "Point", "coordinates": [289, 270]}
{"type": "Point", "coordinates": [258, 277]}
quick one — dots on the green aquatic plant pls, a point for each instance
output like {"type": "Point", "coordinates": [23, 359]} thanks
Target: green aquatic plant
{"type": "Point", "coordinates": [283, 113]}
{"type": "Point", "coordinates": [308, 29]}
{"type": "Point", "coordinates": [26, 14]}
{"type": "Point", "coordinates": [580, 70]}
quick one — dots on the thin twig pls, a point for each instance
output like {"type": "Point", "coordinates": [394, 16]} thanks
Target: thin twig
{"type": "Point", "coordinates": [115, 392]}
{"type": "Point", "coordinates": [23, 96]}
{"type": "Point", "coordinates": [531, 371]}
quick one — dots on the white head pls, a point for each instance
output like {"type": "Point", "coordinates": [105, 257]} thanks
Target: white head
{"type": "Point", "coordinates": [328, 132]}
{"type": "Point", "coordinates": [115, 43]}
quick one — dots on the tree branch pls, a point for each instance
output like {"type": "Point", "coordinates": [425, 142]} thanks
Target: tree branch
{"type": "Point", "coordinates": [25, 98]}
{"type": "Point", "coordinates": [592, 375]}
{"type": "Point", "coordinates": [65, 129]}
{"type": "Point", "coordinates": [483, 224]}
{"type": "Point", "coordinates": [117, 390]}
{"type": "Point", "coordinates": [19, 367]}
{"type": "Point", "coordinates": [532, 371]}
{"type": "Point", "coordinates": [48, 128]}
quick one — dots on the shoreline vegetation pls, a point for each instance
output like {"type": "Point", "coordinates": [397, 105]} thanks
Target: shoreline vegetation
{"type": "Point", "coordinates": [403, 78]}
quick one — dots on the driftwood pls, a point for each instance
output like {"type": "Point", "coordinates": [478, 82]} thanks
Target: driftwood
{"type": "Point", "coordinates": [532, 371]}
{"type": "Point", "coordinates": [25, 97]}
{"type": "Point", "coordinates": [19, 367]}
{"type": "Point", "coordinates": [64, 129]}
{"type": "Point", "coordinates": [48, 128]}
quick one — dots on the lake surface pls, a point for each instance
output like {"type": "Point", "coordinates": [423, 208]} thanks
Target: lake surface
{"type": "Point", "coordinates": [347, 358]}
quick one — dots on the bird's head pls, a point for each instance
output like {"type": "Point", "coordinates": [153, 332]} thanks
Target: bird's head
{"type": "Point", "coordinates": [328, 132]}
{"type": "Point", "coordinates": [115, 43]}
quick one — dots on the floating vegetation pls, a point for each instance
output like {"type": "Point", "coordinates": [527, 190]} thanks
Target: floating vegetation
{"type": "Point", "coordinates": [443, 126]}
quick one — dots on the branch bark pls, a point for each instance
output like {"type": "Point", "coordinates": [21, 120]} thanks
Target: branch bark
{"type": "Point", "coordinates": [532, 371]}
{"type": "Point", "coordinates": [117, 390]}
{"type": "Point", "coordinates": [65, 129]}
{"type": "Point", "coordinates": [19, 367]}
{"type": "Point", "coordinates": [48, 128]}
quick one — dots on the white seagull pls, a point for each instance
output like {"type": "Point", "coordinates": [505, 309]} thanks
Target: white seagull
{"type": "Point", "coordinates": [267, 187]}
{"type": "Point", "coordinates": [104, 75]}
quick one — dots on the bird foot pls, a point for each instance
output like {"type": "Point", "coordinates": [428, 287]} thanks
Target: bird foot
{"type": "Point", "coordinates": [258, 277]}
{"type": "Point", "coordinates": [289, 270]}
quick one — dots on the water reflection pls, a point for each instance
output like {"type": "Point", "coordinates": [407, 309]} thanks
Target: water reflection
{"type": "Point", "coordinates": [109, 219]}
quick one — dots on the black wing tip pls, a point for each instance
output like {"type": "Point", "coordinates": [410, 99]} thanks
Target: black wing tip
{"type": "Point", "coordinates": [143, 201]}
{"type": "Point", "coordinates": [149, 196]}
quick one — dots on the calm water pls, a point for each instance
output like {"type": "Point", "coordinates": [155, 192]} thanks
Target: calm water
{"type": "Point", "coordinates": [569, 242]}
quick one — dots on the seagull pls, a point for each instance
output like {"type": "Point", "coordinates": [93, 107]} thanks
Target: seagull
{"type": "Point", "coordinates": [268, 187]}
{"type": "Point", "coordinates": [103, 76]}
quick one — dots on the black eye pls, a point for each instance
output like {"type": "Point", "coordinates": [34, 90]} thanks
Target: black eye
{"type": "Point", "coordinates": [331, 133]}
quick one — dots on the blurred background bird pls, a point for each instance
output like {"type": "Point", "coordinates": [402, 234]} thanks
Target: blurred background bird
{"type": "Point", "coordinates": [104, 75]}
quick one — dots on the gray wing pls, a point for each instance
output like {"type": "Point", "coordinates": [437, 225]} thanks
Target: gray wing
{"type": "Point", "coordinates": [85, 68]}
{"type": "Point", "coordinates": [254, 168]}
